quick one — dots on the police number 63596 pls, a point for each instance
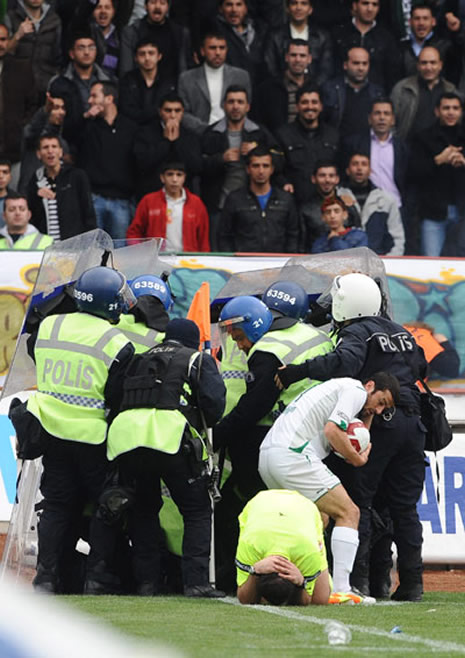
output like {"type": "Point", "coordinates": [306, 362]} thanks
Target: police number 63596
{"type": "Point", "coordinates": [84, 296]}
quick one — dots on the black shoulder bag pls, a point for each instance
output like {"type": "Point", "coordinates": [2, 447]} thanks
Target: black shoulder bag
{"type": "Point", "coordinates": [433, 417]}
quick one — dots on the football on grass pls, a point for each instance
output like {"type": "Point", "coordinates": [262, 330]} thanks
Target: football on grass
{"type": "Point", "coordinates": [358, 435]}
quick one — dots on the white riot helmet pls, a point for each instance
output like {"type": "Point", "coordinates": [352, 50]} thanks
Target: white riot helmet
{"type": "Point", "coordinates": [354, 296]}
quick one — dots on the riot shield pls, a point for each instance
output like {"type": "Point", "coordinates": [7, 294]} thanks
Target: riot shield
{"type": "Point", "coordinates": [62, 263]}
{"type": "Point", "coordinates": [314, 272]}
{"type": "Point", "coordinates": [20, 551]}
{"type": "Point", "coordinates": [322, 269]}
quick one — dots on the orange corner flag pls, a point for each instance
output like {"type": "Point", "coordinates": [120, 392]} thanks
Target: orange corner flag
{"type": "Point", "coordinates": [199, 312]}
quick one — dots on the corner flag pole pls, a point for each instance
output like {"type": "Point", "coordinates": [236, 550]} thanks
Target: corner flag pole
{"type": "Point", "coordinates": [199, 312]}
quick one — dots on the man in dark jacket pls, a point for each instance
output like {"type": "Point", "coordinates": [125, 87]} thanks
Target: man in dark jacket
{"type": "Point", "coordinates": [347, 98]}
{"type": "Point", "coordinates": [74, 84]}
{"type": "Point", "coordinates": [260, 217]}
{"type": "Point", "coordinates": [305, 141]}
{"type": "Point", "coordinates": [18, 102]}
{"type": "Point", "coordinates": [59, 196]}
{"type": "Point", "coordinates": [106, 155]}
{"type": "Point", "coordinates": [141, 89]}
{"type": "Point", "coordinates": [165, 139]}
{"type": "Point", "coordinates": [275, 99]}
{"type": "Point", "coordinates": [300, 26]}
{"type": "Point", "coordinates": [363, 30]}
{"type": "Point", "coordinates": [35, 31]}
{"type": "Point", "coordinates": [423, 33]}
{"type": "Point", "coordinates": [244, 37]}
{"type": "Point", "coordinates": [438, 161]}
{"type": "Point", "coordinates": [225, 146]}
{"type": "Point", "coordinates": [173, 41]}
{"type": "Point", "coordinates": [325, 180]}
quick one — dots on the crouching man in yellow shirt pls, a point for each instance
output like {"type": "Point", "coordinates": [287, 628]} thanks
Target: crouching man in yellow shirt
{"type": "Point", "coordinates": [281, 556]}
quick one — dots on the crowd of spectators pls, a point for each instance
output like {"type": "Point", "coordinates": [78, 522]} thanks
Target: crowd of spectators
{"type": "Point", "coordinates": [263, 109]}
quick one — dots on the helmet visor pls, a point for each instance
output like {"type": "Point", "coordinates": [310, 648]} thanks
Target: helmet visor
{"type": "Point", "coordinates": [226, 326]}
{"type": "Point", "coordinates": [126, 297]}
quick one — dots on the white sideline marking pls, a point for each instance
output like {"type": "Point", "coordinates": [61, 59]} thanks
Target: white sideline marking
{"type": "Point", "coordinates": [396, 637]}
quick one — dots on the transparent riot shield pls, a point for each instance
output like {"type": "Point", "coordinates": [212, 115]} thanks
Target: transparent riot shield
{"type": "Point", "coordinates": [322, 269]}
{"type": "Point", "coordinates": [314, 272]}
{"type": "Point", "coordinates": [20, 551]}
{"type": "Point", "coordinates": [62, 263]}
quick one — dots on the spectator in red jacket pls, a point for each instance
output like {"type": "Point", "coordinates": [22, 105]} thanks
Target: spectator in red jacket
{"type": "Point", "coordinates": [173, 213]}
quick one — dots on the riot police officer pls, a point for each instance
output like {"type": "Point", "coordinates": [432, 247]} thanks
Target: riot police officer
{"type": "Point", "coordinates": [367, 343]}
{"type": "Point", "coordinates": [270, 333]}
{"type": "Point", "coordinates": [146, 322]}
{"type": "Point", "coordinates": [157, 435]}
{"type": "Point", "coordinates": [80, 358]}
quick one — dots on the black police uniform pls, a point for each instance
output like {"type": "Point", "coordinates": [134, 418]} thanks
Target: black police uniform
{"type": "Point", "coordinates": [73, 475]}
{"type": "Point", "coordinates": [242, 435]}
{"type": "Point", "coordinates": [396, 463]}
{"type": "Point", "coordinates": [142, 468]}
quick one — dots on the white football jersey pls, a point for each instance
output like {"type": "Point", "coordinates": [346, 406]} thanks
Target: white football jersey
{"type": "Point", "coordinates": [300, 427]}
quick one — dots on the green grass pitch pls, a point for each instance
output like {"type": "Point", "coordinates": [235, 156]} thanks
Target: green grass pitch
{"type": "Point", "coordinates": [211, 629]}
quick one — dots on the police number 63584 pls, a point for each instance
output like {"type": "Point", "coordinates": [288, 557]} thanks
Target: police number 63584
{"type": "Point", "coordinates": [149, 284]}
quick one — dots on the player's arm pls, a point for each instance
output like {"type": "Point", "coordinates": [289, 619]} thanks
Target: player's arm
{"type": "Point", "coordinates": [321, 591]}
{"type": "Point", "coordinates": [340, 443]}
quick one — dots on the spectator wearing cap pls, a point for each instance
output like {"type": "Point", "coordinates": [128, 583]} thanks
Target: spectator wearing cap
{"type": "Point", "coordinates": [173, 41]}
{"type": "Point", "coordinates": [164, 139]}
{"type": "Point", "coordinates": [142, 88]}
{"type": "Point", "coordinates": [339, 236]}
{"type": "Point", "coordinates": [173, 213]}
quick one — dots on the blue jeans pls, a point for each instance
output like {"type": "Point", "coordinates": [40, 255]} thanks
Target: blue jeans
{"type": "Point", "coordinates": [433, 233]}
{"type": "Point", "coordinates": [113, 215]}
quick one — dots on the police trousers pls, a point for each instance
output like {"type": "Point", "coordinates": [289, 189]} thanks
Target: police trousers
{"type": "Point", "coordinates": [74, 474]}
{"type": "Point", "coordinates": [142, 469]}
{"type": "Point", "coordinates": [396, 468]}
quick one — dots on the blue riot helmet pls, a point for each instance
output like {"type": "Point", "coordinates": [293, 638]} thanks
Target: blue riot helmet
{"type": "Point", "coordinates": [247, 313]}
{"type": "Point", "coordinates": [104, 292]}
{"type": "Point", "coordinates": [148, 284]}
{"type": "Point", "coordinates": [287, 297]}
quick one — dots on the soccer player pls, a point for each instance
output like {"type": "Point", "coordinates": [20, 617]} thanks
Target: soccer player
{"type": "Point", "coordinates": [281, 554]}
{"type": "Point", "coordinates": [310, 427]}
